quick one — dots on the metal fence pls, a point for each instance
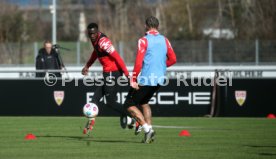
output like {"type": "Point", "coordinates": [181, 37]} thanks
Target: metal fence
{"type": "Point", "coordinates": [189, 52]}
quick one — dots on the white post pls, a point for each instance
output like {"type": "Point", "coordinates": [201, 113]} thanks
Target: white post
{"type": "Point", "coordinates": [257, 52]}
{"type": "Point", "coordinates": [53, 9]}
{"type": "Point", "coordinates": [35, 51]}
{"type": "Point", "coordinates": [210, 52]}
{"type": "Point", "coordinates": [78, 53]}
{"type": "Point", "coordinates": [121, 49]}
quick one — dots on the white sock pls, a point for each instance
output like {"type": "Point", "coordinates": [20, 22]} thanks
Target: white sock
{"type": "Point", "coordinates": [129, 120]}
{"type": "Point", "coordinates": [91, 119]}
{"type": "Point", "coordinates": [146, 128]}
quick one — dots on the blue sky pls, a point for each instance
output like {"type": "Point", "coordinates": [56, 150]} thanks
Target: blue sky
{"type": "Point", "coordinates": [29, 2]}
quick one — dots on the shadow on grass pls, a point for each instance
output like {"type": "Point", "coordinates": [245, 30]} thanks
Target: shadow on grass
{"type": "Point", "coordinates": [86, 139]}
{"type": "Point", "coordinates": [261, 146]}
{"type": "Point", "coordinates": [267, 154]}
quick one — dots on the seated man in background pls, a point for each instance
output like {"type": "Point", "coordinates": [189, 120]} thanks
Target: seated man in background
{"type": "Point", "coordinates": [48, 59]}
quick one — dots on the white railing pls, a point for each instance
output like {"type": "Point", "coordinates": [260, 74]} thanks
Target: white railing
{"type": "Point", "coordinates": [172, 72]}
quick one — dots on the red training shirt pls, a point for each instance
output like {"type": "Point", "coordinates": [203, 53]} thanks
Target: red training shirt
{"type": "Point", "coordinates": [107, 55]}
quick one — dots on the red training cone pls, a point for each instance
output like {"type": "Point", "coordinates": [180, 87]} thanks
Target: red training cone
{"type": "Point", "coordinates": [271, 116]}
{"type": "Point", "coordinates": [184, 133]}
{"type": "Point", "coordinates": [30, 137]}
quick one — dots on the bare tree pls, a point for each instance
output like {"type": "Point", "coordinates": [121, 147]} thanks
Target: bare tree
{"type": "Point", "coordinates": [120, 20]}
{"type": "Point", "coordinates": [232, 13]}
{"type": "Point", "coordinates": [11, 33]}
{"type": "Point", "coordinates": [189, 12]}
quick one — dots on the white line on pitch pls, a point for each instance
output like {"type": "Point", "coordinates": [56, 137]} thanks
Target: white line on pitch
{"type": "Point", "coordinates": [174, 127]}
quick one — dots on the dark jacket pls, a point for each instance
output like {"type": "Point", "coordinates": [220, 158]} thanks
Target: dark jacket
{"type": "Point", "coordinates": [46, 61]}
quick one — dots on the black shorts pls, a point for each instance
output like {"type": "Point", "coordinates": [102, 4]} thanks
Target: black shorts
{"type": "Point", "coordinates": [140, 96]}
{"type": "Point", "coordinates": [109, 90]}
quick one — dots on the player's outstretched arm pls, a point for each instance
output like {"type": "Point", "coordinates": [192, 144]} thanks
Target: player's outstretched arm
{"type": "Point", "coordinates": [120, 62]}
{"type": "Point", "coordinates": [91, 60]}
{"type": "Point", "coordinates": [106, 45]}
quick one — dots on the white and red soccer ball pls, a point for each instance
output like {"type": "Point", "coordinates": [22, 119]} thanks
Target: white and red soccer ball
{"type": "Point", "coordinates": [90, 110]}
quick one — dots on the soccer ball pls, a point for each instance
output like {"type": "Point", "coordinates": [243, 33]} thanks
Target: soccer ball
{"type": "Point", "coordinates": [90, 110]}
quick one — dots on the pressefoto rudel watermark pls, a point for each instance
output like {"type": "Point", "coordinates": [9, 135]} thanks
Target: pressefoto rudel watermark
{"type": "Point", "coordinates": [51, 80]}
{"type": "Point", "coordinates": [204, 81]}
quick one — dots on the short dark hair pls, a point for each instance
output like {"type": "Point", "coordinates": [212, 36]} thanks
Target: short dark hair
{"type": "Point", "coordinates": [152, 22]}
{"type": "Point", "coordinates": [47, 41]}
{"type": "Point", "coordinates": [92, 27]}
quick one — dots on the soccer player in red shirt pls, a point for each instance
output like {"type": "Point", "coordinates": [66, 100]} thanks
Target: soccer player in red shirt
{"type": "Point", "coordinates": [113, 68]}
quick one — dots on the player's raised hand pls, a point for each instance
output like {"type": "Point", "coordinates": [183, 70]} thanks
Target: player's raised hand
{"type": "Point", "coordinates": [85, 70]}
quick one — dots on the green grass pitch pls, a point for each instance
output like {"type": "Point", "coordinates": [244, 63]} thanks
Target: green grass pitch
{"type": "Point", "coordinates": [62, 138]}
